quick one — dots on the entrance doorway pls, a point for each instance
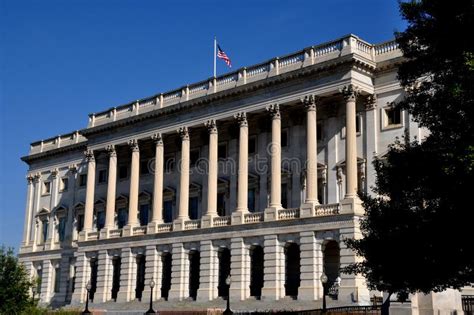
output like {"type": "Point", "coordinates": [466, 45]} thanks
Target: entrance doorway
{"type": "Point", "coordinates": [292, 270]}
{"type": "Point", "coordinates": [116, 263]}
{"type": "Point", "coordinates": [224, 272]}
{"type": "Point", "coordinates": [256, 271]}
{"type": "Point", "coordinates": [194, 262]}
{"type": "Point", "coordinates": [140, 284]}
{"type": "Point", "coordinates": [166, 275]}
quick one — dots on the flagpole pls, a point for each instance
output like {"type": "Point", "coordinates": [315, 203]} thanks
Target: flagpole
{"type": "Point", "coordinates": [215, 55]}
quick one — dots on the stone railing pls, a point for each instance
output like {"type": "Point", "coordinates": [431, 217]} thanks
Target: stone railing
{"type": "Point", "coordinates": [349, 44]}
{"type": "Point", "coordinates": [192, 224]}
{"type": "Point", "coordinates": [253, 217]}
{"type": "Point", "coordinates": [221, 221]}
{"type": "Point", "coordinates": [285, 214]}
{"type": "Point", "coordinates": [330, 209]}
{"type": "Point", "coordinates": [57, 142]}
{"type": "Point", "coordinates": [93, 235]}
{"type": "Point", "coordinates": [164, 227]}
{"type": "Point", "coordinates": [139, 230]}
{"type": "Point", "coordinates": [115, 233]}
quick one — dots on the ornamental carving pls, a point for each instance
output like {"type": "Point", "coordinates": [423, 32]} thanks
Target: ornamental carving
{"type": "Point", "coordinates": [241, 119]}
{"type": "Point", "coordinates": [133, 144]}
{"type": "Point", "coordinates": [157, 138]}
{"type": "Point", "coordinates": [37, 177]}
{"type": "Point", "coordinates": [111, 150]}
{"type": "Point", "coordinates": [309, 102]}
{"type": "Point", "coordinates": [350, 92]}
{"type": "Point", "coordinates": [183, 133]}
{"type": "Point", "coordinates": [89, 155]}
{"type": "Point", "coordinates": [54, 172]}
{"type": "Point", "coordinates": [371, 102]}
{"type": "Point", "coordinates": [274, 110]}
{"type": "Point", "coordinates": [30, 178]}
{"type": "Point", "coordinates": [211, 126]}
{"type": "Point", "coordinates": [72, 168]}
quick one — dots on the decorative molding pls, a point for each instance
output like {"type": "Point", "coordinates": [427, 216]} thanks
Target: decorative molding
{"type": "Point", "coordinates": [350, 92]}
{"type": "Point", "coordinates": [211, 126]}
{"type": "Point", "coordinates": [37, 177]}
{"type": "Point", "coordinates": [89, 155]}
{"type": "Point", "coordinates": [241, 119]}
{"type": "Point", "coordinates": [54, 173]}
{"type": "Point", "coordinates": [133, 144]}
{"type": "Point", "coordinates": [111, 150]}
{"type": "Point", "coordinates": [371, 102]}
{"type": "Point", "coordinates": [183, 133]}
{"type": "Point", "coordinates": [310, 101]}
{"type": "Point", "coordinates": [30, 178]}
{"type": "Point", "coordinates": [72, 168]}
{"type": "Point", "coordinates": [274, 110]}
{"type": "Point", "coordinates": [157, 138]}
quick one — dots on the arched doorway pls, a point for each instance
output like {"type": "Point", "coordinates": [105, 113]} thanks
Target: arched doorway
{"type": "Point", "coordinates": [166, 275]}
{"type": "Point", "coordinates": [292, 270]}
{"type": "Point", "coordinates": [224, 272]}
{"type": "Point", "coordinates": [116, 263]}
{"type": "Point", "coordinates": [140, 284]}
{"type": "Point", "coordinates": [256, 271]}
{"type": "Point", "coordinates": [194, 268]}
{"type": "Point", "coordinates": [331, 264]}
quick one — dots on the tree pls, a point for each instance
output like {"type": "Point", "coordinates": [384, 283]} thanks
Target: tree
{"type": "Point", "coordinates": [417, 233]}
{"type": "Point", "coordinates": [14, 284]}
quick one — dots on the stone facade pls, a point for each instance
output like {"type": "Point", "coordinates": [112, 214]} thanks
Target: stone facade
{"type": "Point", "coordinates": [252, 175]}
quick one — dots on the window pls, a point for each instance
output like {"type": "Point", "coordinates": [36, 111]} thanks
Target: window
{"type": "Point", "coordinates": [284, 138]}
{"type": "Point", "coordinates": [102, 176]}
{"type": "Point", "coordinates": [252, 145]}
{"type": "Point", "coordinates": [193, 208]}
{"type": "Point", "coordinates": [393, 116]}
{"type": "Point", "coordinates": [80, 222]}
{"type": "Point", "coordinates": [57, 279]}
{"type": "Point", "coordinates": [284, 196]}
{"type": "Point", "coordinates": [122, 217]}
{"type": "Point", "coordinates": [193, 157]}
{"type": "Point", "coordinates": [64, 184]}
{"type": "Point", "coordinates": [319, 131]}
{"type": "Point", "coordinates": [82, 180]}
{"type": "Point", "coordinates": [123, 171]}
{"type": "Point", "coordinates": [39, 274]}
{"type": "Point", "coordinates": [222, 151]}
{"type": "Point", "coordinates": [221, 204]}
{"type": "Point", "coordinates": [144, 212]}
{"type": "Point", "coordinates": [100, 220]}
{"type": "Point", "coordinates": [46, 188]}
{"type": "Point", "coordinates": [144, 167]}
{"type": "Point", "coordinates": [44, 233]}
{"type": "Point", "coordinates": [168, 211]}
{"type": "Point", "coordinates": [358, 123]}
{"type": "Point", "coordinates": [169, 163]}
{"type": "Point", "coordinates": [251, 200]}
{"type": "Point", "coordinates": [62, 228]}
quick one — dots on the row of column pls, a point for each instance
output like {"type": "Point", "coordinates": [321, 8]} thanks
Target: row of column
{"type": "Point", "coordinates": [309, 102]}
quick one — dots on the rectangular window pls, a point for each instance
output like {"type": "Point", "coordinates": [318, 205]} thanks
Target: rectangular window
{"type": "Point", "coordinates": [45, 231]}
{"type": "Point", "coordinates": [62, 228]}
{"type": "Point", "coordinates": [46, 188]}
{"type": "Point", "coordinates": [64, 184]}
{"type": "Point", "coordinates": [100, 220]}
{"type": "Point", "coordinates": [222, 151]}
{"type": "Point", "coordinates": [144, 213]}
{"type": "Point", "coordinates": [358, 122]}
{"type": "Point", "coordinates": [168, 211]}
{"type": "Point", "coordinates": [123, 171]}
{"type": "Point", "coordinates": [284, 196]}
{"type": "Point", "coordinates": [39, 278]}
{"type": "Point", "coordinates": [193, 208]}
{"type": "Point", "coordinates": [80, 222]}
{"type": "Point", "coordinates": [169, 163]}
{"type": "Point", "coordinates": [393, 116]}
{"type": "Point", "coordinates": [221, 204]}
{"type": "Point", "coordinates": [252, 145]}
{"type": "Point", "coordinates": [102, 178]}
{"type": "Point", "coordinates": [319, 132]}
{"type": "Point", "coordinates": [251, 200]}
{"type": "Point", "coordinates": [193, 157]}
{"type": "Point", "coordinates": [57, 279]}
{"type": "Point", "coordinates": [122, 218]}
{"type": "Point", "coordinates": [284, 138]}
{"type": "Point", "coordinates": [82, 180]}
{"type": "Point", "coordinates": [144, 167]}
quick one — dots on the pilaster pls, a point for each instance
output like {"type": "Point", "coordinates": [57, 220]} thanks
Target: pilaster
{"type": "Point", "coordinates": [90, 188]}
{"type": "Point", "coordinates": [274, 269]}
{"type": "Point", "coordinates": [311, 267]}
{"type": "Point", "coordinates": [209, 272]}
{"type": "Point", "coordinates": [184, 180]}
{"type": "Point", "coordinates": [179, 273]}
{"type": "Point", "coordinates": [134, 186]}
{"type": "Point", "coordinates": [127, 276]}
{"type": "Point", "coordinates": [242, 189]}
{"type": "Point", "coordinates": [104, 277]}
{"type": "Point", "coordinates": [239, 270]}
{"type": "Point", "coordinates": [46, 282]}
{"type": "Point", "coordinates": [82, 276]}
{"type": "Point", "coordinates": [153, 270]}
{"type": "Point", "coordinates": [157, 213]}
{"type": "Point", "coordinates": [211, 210]}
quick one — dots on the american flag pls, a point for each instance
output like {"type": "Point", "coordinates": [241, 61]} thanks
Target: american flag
{"type": "Point", "coordinates": [222, 55]}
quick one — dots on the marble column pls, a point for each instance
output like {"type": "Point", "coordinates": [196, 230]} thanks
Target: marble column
{"type": "Point", "coordinates": [211, 211]}
{"type": "Point", "coordinates": [90, 188]}
{"type": "Point", "coordinates": [28, 211]}
{"type": "Point", "coordinates": [371, 149]}
{"type": "Point", "coordinates": [184, 180]}
{"type": "Point", "coordinates": [50, 243]}
{"type": "Point", "coordinates": [134, 185]}
{"type": "Point", "coordinates": [243, 173]}
{"type": "Point", "coordinates": [271, 213]}
{"type": "Point", "coordinates": [351, 202]}
{"type": "Point", "coordinates": [72, 171]}
{"type": "Point", "coordinates": [111, 190]}
{"type": "Point", "coordinates": [34, 220]}
{"type": "Point", "coordinates": [157, 213]}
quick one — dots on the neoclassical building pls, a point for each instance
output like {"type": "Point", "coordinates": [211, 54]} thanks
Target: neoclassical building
{"type": "Point", "coordinates": [252, 175]}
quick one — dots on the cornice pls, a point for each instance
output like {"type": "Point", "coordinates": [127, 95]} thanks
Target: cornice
{"type": "Point", "coordinates": [37, 156]}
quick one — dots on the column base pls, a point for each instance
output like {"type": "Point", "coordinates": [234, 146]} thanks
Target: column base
{"type": "Point", "coordinates": [352, 205]}
{"type": "Point", "coordinates": [128, 230]}
{"type": "Point", "coordinates": [153, 227]}
{"type": "Point", "coordinates": [271, 214]}
{"type": "Point", "coordinates": [178, 224]}
{"type": "Point", "coordinates": [308, 209]}
{"type": "Point", "coordinates": [82, 237]}
{"type": "Point", "coordinates": [238, 217]}
{"type": "Point", "coordinates": [104, 233]}
{"type": "Point", "coordinates": [207, 220]}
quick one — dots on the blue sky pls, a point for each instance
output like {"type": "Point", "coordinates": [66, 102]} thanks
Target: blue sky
{"type": "Point", "coordinates": [61, 60]}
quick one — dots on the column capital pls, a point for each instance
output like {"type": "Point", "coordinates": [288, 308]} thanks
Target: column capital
{"type": "Point", "coordinates": [349, 92]}
{"type": "Point", "coordinates": [157, 138]}
{"type": "Point", "coordinates": [111, 150]}
{"type": "Point", "coordinates": [30, 178]}
{"type": "Point", "coordinates": [211, 126]}
{"type": "Point", "coordinates": [371, 102]}
{"type": "Point", "coordinates": [37, 177]}
{"type": "Point", "coordinates": [54, 172]}
{"type": "Point", "coordinates": [183, 133]}
{"type": "Point", "coordinates": [274, 110]}
{"type": "Point", "coordinates": [310, 102]}
{"type": "Point", "coordinates": [89, 155]}
{"type": "Point", "coordinates": [72, 168]}
{"type": "Point", "coordinates": [133, 144]}
{"type": "Point", "coordinates": [241, 119]}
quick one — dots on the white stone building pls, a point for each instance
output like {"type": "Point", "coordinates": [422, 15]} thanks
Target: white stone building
{"type": "Point", "coordinates": [253, 174]}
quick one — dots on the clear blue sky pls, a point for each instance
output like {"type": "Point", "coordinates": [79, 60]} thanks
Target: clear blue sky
{"type": "Point", "coordinates": [61, 60]}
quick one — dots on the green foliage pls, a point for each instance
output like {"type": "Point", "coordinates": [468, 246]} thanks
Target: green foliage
{"type": "Point", "coordinates": [418, 229]}
{"type": "Point", "coordinates": [14, 284]}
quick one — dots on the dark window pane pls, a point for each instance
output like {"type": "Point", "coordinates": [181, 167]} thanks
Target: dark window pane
{"type": "Point", "coordinates": [358, 117]}
{"type": "Point", "coordinates": [45, 230]}
{"type": "Point", "coordinates": [284, 138]}
{"type": "Point", "coordinates": [319, 131]}
{"type": "Point", "coordinates": [194, 157]}
{"type": "Point", "coordinates": [144, 167]}
{"type": "Point", "coordinates": [100, 220]}
{"type": "Point", "coordinates": [169, 163]}
{"type": "Point", "coordinates": [123, 172]}
{"type": "Point", "coordinates": [82, 180]}
{"type": "Point", "coordinates": [122, 218]}
{"type": "Point", "coordinates": [102, 176]}
{"type": "Point", "coordinates": [80, 222]}
{"type": "Point", "coordinates": [221, 204]}
{"type": "Point", "coordinates": [393, 116]}
{"type": "Point", "coordinates": [222, 151]}
{"type": "Point", "coordinates": [62, 228]}
{"type": "Point", "coordinates": [252, 145]}
{"type": "Point", "coordinates": [144, 209]}
{"type": "Point", "coordinates": [193, 208]}
{"type": "Point", "coordinates": [251, 200]}
{"type": "Point", "coordinates": [284, 196]}
{"type": "Point", "coordinates": [168, 211]}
